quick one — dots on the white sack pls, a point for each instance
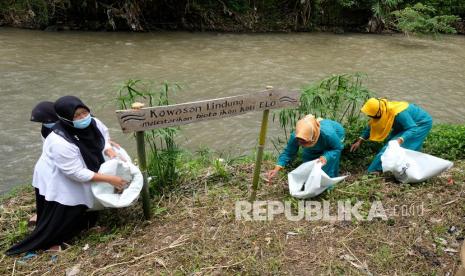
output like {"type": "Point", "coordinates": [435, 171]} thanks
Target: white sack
{"type": "Point", "coordinates": [105, 194]}
{"type": "Point", "coordinates": [309, 180]}
{"type": "Point", "coordinates": [409, 166]}
{"type": "Point", "coordinates": [120, 152]}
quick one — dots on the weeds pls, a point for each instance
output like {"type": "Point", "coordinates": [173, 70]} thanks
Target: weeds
{"type": "Point", "coordinates": [217, 243]}
{"type": "Point", "coordinates": [220, 169]}
{"type": "Point", "coordinates": [338, 97]}
{"type": "Point", "coordinates": [446, 141]}
{"type": "Point", "coordinates": [16, 217]}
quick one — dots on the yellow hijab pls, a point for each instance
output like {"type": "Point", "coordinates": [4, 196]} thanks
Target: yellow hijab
{"type": "Point", "coordinates": [385, 113]}
{"type": "Point", "coordinates": [308, 129]}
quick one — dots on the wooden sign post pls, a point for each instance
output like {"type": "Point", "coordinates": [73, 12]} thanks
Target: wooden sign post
{"type": "Point", "coordinates": [142, 119]}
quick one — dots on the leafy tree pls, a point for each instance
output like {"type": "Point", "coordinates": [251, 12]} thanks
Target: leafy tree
{"type": "Point", "coordinates": [421, 19]}
{"type": "Point", "coordinates": [381, 10]}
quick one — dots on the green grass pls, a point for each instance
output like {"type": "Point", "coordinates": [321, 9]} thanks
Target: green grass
{"type": "Point", "coordinates": [202, 209]}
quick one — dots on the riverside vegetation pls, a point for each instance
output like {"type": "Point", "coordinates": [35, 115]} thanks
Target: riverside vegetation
{"type": "Point", "coordinates": [194, 229]}
{"type": "Point", "coordinates": [408, 16]}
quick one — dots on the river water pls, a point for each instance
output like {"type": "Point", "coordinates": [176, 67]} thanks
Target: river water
{"type": "Point", "coordinates": [36, 66]}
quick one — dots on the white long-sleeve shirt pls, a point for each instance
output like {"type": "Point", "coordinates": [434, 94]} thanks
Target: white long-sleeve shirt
{"type": "Point", "coordinates": [61, 174]}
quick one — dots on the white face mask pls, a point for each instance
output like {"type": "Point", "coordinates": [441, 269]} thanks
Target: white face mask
{"type": "Point", "coordinates": [83, 123]}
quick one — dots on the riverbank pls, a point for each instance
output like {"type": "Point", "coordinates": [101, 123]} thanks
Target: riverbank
{"type": "Point", "coordinates": [194, 230]}
{"type": "Point", "coordinates": [217, 16]}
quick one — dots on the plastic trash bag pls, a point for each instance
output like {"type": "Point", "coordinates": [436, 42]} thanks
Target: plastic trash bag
{"type": "Point", "coordinates": [309, 180]}
{"type": "Point", "coordinates": [120, 152]}
{"type": "Point", "coordinates": [409, 166]}
{"type": "Point", "coordinates": [105, 194]}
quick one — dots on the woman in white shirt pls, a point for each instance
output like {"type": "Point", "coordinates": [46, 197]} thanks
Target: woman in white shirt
{"type": "Point", "coordinates": [71, 157]}
{"type": "Point", "coordinates": [44, 113]}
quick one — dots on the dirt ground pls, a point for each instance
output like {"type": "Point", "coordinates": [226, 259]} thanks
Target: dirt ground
{"type": "Point", "coordinates": [195, 231]}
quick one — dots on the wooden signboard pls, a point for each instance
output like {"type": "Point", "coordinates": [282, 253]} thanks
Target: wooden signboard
{"type": "Point", "coordinates": [186, 113]}
{"type": "Point", "coordinates": [142, 119]}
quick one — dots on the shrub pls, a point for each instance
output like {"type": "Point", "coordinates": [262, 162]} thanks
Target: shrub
{"type": "Point", "coordinates": [31, 13]}
{"type": "Point", "coordinates": [446, 141]}
{"type": "Point", "coordinates": [360, 159]}
{"type": "Point", "coordinates": [338, 97]}
{"type": "Point", "coordinates": [420, 19]}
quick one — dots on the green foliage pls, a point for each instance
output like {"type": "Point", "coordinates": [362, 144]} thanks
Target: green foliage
{"type": "Point", "coordinates": [240, 6]}
{"type": "Point", "coordinates": [446, 141]}
{"type": "Point", "coordinates": [384, 257]}
{"type": "Point", "coordinates": [163, 158]}
{"type": "Point", "coordinates": [382, 8]}
{"type": "Point", "coordinates": [30, 12]}
{"type": "Point", "coordinates": [208, 165]}
{"type": "Point", "coordinates": [360, 159]}
{"type": "Point", "coordinates": [164, 152]}
{"type": "Point", "coordinates": [192, 164]}
{"type": "Point", "coordinates": [9, 237]}
{"type": "Point", "coordinates": [367, 188]}
{"type": "Point", "coordinates": [220, 169]}
{"type": "Point", "coordinates": [455, 7]}
{"type": "Point", "coordinates": [338, 97]}
{"type": "Point", "coordinates": [15, 226]}
{"type": "Point", "coordinates": [421, 19]}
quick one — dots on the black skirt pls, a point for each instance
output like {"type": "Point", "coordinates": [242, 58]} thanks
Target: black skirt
{"type": "Point", "coordinates": [40, 202]}
{"type": "Point", "coordinates": [56, 223]}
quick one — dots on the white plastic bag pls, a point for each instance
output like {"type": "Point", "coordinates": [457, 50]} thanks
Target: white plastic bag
{"type": "Point", "coordinates": [105, 194]}
{"type": "Point", "coordinates": [409, 166]}
{"type": "Point", "coordinates": [121, 153]}
{"type": "Point", "coordinates": [309, 180]}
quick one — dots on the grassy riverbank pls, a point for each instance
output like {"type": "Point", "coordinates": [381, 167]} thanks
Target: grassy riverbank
{"type": "Point", "coordinates": [194, 230]}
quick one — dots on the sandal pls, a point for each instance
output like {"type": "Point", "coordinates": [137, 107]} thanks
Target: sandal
{"type": "Point", "coordinates": [54, 249]}
{"type": "Point", "coordinates": [58, 248]}
{"type": "Point", "coordinates": [32, 221]}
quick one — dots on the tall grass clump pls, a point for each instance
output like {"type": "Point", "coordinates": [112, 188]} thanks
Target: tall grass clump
{"type": "Point", "coordinates": [337, 97]}
{"type": "Point", "coordinates": [164, 153]}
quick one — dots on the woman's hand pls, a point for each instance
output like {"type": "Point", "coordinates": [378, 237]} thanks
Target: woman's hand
{"type": "Point", "coordinates": [110, 153]}
{"type": "Point", "coordinates": [322, 160]}
{"type": "Point", "coordinates": [114, 144]}
{"type": "Point", "coordinates": [272, 173]}
{"type": "Point", "coordinates": [356, 145]}
{"type": "Point", "coordinates": [116, 181]}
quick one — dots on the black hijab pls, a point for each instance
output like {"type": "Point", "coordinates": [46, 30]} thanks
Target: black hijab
{"type": "Point", "coordinates": [89, 140]}
{"type": "Point", "coordinates": [44, 112]}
